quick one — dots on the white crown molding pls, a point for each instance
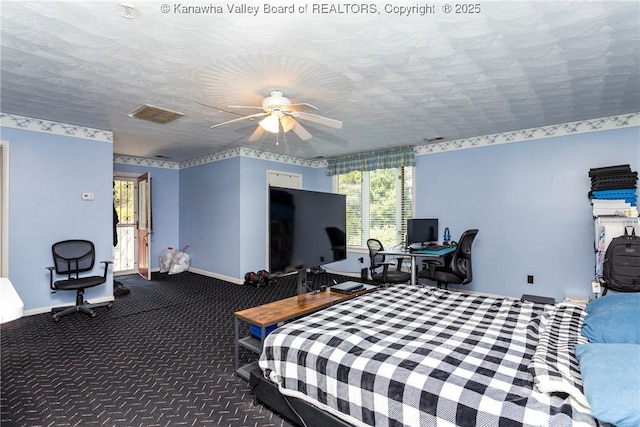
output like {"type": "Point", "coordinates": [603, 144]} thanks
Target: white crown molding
{"type": "Point", "coordinates": [562, 129]}
{"type": "Point", "coordinates": [254, 154]}
{"type": "Point", "coordinates": [38, 125]}
{"type": "Point", "coordinates": [214, 157]}
{"type": "Point", "coordinates": [143, 161]}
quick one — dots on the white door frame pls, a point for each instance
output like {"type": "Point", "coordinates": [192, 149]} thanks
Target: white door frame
{"type": "Point", "coordinates": [4, 209]}
{"type": "Point", "coordinates": [133, 177]}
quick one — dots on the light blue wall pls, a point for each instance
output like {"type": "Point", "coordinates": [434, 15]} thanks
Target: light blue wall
{"type": "Point", "coordinates": [223, 208]}
{"type": "Point", "coordinates": [209, 215]}
{"type": "Point", "coordinates": [529, 201]}
{"type": "Point", "coordinates": [253, 206]}
{"type": "Point", "coordinates": [532, 192]}
{"type": "Point", "coordinates": [218, 209]}
{"type": "Point", "coordinates": [165, 211]}
{"type": "Point", "coordinates": [47, 174]}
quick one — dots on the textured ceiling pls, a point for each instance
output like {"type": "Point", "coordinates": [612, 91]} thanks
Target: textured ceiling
{"type": "Point", "coordinates": [393, 80]}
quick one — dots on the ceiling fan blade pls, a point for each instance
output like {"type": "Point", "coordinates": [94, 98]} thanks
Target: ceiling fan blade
{"type": "Point", "coordinates": [246, 106]}
{"type": "Point", "coordinates": [320, 119]}
{"type": "Point", "coordinates": [299, 107]}
{"type": "Point", "coordinates": [257, 134]}
{"type": "Point", "coordinates": [284, 136]}
{"type": "Point", "coordinates": [239, 119]}
{"type": "Point", "coordinates": [302, 133]}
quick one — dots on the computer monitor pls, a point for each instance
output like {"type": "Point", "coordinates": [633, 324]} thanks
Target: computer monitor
{"type": "Point", "coordinates": [422, 230]}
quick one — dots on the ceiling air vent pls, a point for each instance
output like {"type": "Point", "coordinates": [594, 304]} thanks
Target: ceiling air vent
{"type": "Point", "coordinates": [433, 140]}
{"type": "Point", "coordinates": [155, 114]}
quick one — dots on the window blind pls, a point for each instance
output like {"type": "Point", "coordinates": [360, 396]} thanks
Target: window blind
{"type": "Point", "coordinates": [379, 203]}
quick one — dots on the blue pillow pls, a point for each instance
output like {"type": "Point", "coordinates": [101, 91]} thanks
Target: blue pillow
{"type": "Point", "coordinates": [611, 381]}
{"type": "Point", "coordinates": [613, 318]}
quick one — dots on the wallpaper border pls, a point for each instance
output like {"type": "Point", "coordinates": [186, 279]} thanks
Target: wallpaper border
{"type": "Point", "coordinates": [39, 125]}
{"type": "Point", "coordinates": [561, 129]}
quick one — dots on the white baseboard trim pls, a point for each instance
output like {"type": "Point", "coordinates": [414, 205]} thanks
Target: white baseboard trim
{"type": "Point", "coordinates": [241, 281]}
{"type": "Point", "coordinates": [232, 280]}
{"type": "Point", "coordinates": [216, 276]}
{"type": "Point", "coordinates": [41, 310]}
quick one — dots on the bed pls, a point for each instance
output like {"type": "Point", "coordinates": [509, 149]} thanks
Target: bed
{"type": "Point", "coordinates": [419, 356]}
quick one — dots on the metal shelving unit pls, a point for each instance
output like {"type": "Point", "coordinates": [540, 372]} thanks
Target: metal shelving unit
{"type": "Point", "coordinates": [606, 228]}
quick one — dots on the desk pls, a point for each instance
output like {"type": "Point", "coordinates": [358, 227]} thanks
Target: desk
{"type": "Point", "coordinates": [420, 253]}
{"type": "Point", "coordinates": [280, 311]}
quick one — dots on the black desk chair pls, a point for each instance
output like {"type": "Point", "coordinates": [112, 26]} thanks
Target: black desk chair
{"type": "Point", "coordinates": [378, 261]}
{"type": "Point", "coordinates": [457, 269]}
{"type": "Point", "coordinates": [70, 258]}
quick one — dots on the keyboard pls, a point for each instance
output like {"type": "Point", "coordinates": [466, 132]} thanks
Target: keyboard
{"type": "Point", "coordinates": [419, 247]}
{"type": "Point", "coordinates": [415, 246]}
{"type": "Point", "coordinates": [435, 247]}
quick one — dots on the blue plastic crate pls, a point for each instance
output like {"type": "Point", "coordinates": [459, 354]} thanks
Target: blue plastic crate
{"type": "Point", "coordinates": [628, 195]}
{"type": "Point", "coordinates": [255, 330]}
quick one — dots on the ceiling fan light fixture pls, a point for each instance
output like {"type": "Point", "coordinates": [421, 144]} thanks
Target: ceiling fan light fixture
{"type": "Point", "coordinates": [275, 99]}
{"type": "Point", "coordinates": [270, 124]}
{"type": "Point", "coordinates": [278, 112]}
{"type": "Point", "coordinates": [287, 123]}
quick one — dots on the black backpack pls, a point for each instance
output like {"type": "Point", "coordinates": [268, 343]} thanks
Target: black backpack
{"type": "Point", "coordinates": [621, 267]}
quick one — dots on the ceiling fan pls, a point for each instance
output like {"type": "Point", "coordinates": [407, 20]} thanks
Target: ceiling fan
{"type": "Point", "coordinates": [280, 113]}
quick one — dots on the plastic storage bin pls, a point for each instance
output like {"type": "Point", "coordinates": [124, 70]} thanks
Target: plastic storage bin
{"type": "Point", "coordinates": [255, 330]}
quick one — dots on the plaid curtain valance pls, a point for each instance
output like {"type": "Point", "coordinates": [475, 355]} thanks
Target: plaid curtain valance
{"type": "Point", "coordinates": [394, 158]}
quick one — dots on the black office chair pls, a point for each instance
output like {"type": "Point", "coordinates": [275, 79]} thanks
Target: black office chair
{"type": "Point", "coordinates": [70, 258]}
{"type": "Point", "coordinates": [457, 269]}
{"type": "Point", "coordinates": [377, 260]}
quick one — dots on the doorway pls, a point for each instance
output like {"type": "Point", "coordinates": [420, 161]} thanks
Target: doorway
{"type": "Point", "coordinates": [132, 205]}
{"type": "Point", "coordinates": [125, 202]}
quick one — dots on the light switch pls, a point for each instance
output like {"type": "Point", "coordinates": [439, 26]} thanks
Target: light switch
{"type": "Point", "coordinates": [88, 196]}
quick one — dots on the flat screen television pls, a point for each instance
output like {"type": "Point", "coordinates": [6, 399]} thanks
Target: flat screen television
{"type": "Point", "coordinates": [306, 229]}
{"type": "Point", "coordinates": [422, 231]}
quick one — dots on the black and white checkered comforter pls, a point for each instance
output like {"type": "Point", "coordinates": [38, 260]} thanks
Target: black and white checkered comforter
{"type": "Point", "coordinates": [415, 356]}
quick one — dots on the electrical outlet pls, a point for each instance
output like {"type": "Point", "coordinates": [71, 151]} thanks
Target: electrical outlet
{"type": "Point", "coordinates": [530, 279]}
{"type": "Point", "coordinates": [595, 287]}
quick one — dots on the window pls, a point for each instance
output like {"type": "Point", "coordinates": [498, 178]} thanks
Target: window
{"type": "Point", "coordinates": [379, 203]}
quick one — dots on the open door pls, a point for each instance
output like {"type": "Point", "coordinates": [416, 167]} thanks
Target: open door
{"type": "Point", "coordinates": [144, 225]}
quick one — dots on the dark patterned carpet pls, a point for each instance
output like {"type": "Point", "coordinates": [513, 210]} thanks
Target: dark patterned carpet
{"type": "Point", "coordinates": [161, 356]}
